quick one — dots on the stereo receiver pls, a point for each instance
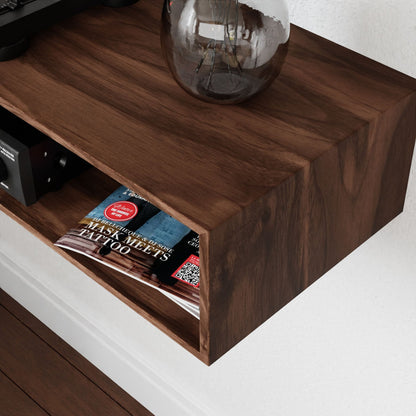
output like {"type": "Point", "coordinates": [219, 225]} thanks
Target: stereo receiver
{"type": "Point", "coordinates": [31, 163]}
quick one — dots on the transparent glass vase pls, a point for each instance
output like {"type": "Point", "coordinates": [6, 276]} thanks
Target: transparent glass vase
{"type": "Point", "coordinates": [225, 51]}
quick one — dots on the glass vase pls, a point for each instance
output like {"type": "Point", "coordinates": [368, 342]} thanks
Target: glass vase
{"type": "Point", "coordinates": [225, 51]}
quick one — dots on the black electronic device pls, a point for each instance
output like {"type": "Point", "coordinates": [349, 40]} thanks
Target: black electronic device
{"type": "Point", "coordinates": [31, 164]}
{"type": "Point", "coordinates": [20, 19]}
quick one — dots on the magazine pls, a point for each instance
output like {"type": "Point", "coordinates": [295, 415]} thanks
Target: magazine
{"type": "Point", "coordinates": [129, 234]}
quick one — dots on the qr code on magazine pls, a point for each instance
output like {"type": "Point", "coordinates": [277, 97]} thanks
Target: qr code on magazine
{"type": "Point", "coordinates": [189, 271]}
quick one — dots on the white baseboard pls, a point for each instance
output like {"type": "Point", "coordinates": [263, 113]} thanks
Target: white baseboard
{"type": "Point", "coordinates": [130, 372]}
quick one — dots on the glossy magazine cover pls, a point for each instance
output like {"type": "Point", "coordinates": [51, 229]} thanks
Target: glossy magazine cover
{"type": "Point", "coordinates": [129, 234]}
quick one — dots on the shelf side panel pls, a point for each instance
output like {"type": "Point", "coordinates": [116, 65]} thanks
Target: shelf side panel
{"type": "Point", "coordinates": [269, 253]}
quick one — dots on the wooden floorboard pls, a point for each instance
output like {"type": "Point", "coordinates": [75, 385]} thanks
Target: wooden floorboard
{"type": "Point", "coordinates": [40, 371]}
{"type": "Point", "coordinates": [15, 402]}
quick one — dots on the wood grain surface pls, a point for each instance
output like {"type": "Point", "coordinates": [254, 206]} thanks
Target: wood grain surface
{"type": "Point", "coordinates": [294, 235]}
{"type": "Point", "coordinates": [98, 84]}
{"type": "Point", "coordinates": [42, 375]}
{"type": "Point", "coordinates": [280, 188]}
{"type": "Point", "coordinates": [15, 402]}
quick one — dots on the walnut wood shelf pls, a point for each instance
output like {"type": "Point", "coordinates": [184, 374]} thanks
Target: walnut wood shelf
{"type": "Point", "coordinates": [280, 189]}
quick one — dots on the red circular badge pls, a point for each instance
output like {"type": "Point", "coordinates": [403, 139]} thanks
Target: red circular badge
{"type": "Point", "coordinates": [121, 211]}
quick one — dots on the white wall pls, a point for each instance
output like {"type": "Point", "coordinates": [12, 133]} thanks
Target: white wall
{"type": "Point", "coordinates": [384, 30]}
{"type": "Point", "coordinates": [347, 346]}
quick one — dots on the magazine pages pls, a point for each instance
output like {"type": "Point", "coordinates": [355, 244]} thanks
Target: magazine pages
{"type": "Point", "coordinates": [129, 234]}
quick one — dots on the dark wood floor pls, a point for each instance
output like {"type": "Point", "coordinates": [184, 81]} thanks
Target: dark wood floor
{"type": "Point", "coordinates": [42, 375]}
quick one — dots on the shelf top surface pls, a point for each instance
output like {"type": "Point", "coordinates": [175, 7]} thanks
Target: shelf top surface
{"type": "Point", "coordinates": [97, 83]}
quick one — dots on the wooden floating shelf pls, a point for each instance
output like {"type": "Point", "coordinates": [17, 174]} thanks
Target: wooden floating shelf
{"type": "Point", "coordinates": [280, 189]}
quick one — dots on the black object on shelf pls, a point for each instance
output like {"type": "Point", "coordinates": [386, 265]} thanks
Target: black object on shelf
{"type": "Point", "coordinates": [32, 164]}
{"type": "Point", "coordinates": [20, 19]}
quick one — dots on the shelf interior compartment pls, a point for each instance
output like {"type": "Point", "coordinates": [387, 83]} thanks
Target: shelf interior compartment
{"type": "Point", "coordinates": [55, 213]}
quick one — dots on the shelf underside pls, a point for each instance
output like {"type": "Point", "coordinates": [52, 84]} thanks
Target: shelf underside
{"type": "Point", "coordinates": [55, 213]}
